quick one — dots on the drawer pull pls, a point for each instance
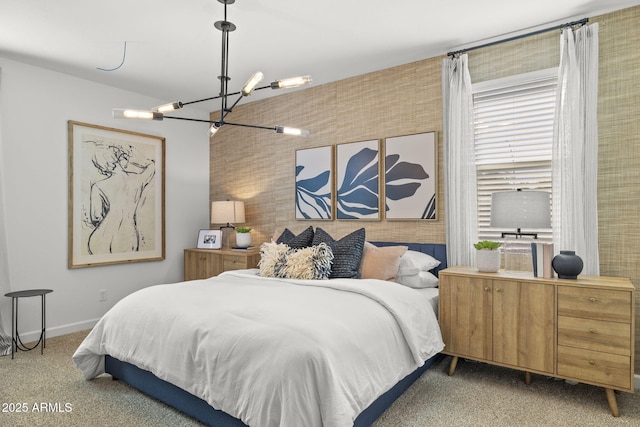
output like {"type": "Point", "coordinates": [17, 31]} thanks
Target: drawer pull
{"type": "Point", "coordinates": [486, 289]}
{"type": "Point", "coordinates": [498, 290]}
{"type": "Point", "coordinates": [593, 331]}
{"type": "Point", "coordinates": [592, 299]}
{"type": "Point", "coordinates": [592, 362]}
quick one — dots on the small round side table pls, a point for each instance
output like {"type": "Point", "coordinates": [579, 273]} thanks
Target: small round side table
{"type": "Point", "coordinates": [16, 342]}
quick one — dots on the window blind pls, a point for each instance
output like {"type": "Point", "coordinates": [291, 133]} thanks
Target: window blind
{"type": "Point", "coordinates": [513, 134]}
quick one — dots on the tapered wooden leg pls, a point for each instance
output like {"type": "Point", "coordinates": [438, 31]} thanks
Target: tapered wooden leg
{"type": "Point", "coordinates": [527, 377]}
{"type": "Point", "coordinates": [452, 366]}
{"type": "Point", "coordinates": [613, 404]}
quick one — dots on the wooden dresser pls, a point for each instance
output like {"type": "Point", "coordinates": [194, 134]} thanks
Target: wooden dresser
{"type": "Point", "coordinates": [205, 263]}
{"type": "Point", "coordinates": [581, 330]}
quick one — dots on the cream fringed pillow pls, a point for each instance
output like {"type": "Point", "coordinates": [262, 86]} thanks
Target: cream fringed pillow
{"type": "Point", "coordinates": [312, 263]}
{"type": "Point", "coordinates": [273, 256]}
{"type": "Point", "coordinates": [381, 262]}
{"type": "Point", "coordinates": [279, 260]}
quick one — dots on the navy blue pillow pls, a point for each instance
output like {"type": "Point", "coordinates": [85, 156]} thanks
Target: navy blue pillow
{"type": "Point", "coordinates": [347, 252]}
{"type": "Point", "coordinates": [302, 240]}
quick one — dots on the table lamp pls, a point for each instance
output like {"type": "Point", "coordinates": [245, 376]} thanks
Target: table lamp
{"type": "Point", "coordinates": [520, 210]}
{"type": "Point", "coordinates": [227, 212]}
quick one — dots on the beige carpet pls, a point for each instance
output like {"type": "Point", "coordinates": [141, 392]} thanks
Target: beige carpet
{"type": "Point", "coordinates": [53, 393]}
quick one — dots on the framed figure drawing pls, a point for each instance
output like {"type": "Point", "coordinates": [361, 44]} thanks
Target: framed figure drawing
{"type": "Point", "coordinates": [358, 180]}
{"type": "Point", "coordinates": [410, 176]}
{"type": "Point", "coordinates": [116, 196]}
{"type": "Point", "coordinates": [314, 183]}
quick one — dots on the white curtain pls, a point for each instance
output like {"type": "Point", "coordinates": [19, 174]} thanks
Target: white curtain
{"type": "Point", "coordinates": [575, 148]}
{"type": "Point", "coordinates": [460, 188]}
{"type": "Point", "coordinates": [5, 303]}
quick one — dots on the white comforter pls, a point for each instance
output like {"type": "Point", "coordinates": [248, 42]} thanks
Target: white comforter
{"type": "Point", "coordinates": [271, 352]}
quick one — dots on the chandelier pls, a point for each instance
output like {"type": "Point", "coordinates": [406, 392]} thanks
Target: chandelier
{"type": "Point", "coordinates": [159, 113]}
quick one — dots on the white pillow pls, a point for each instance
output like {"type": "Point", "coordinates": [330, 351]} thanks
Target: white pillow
{"type": "Point", "coordinates": [423, 279]}
{"type": "Point", "coordinates": [413, 262]}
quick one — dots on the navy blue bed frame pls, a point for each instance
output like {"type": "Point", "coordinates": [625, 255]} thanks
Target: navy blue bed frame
{"type": "Point", "coordinates": [199, 409]}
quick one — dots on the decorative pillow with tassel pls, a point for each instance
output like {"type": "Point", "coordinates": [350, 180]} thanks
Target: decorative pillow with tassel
{"type": "Point", "coordinates": [273, 257]}
{"type": "Point", "coordinates": [279, 260]}
{"type": "Point", "coordinates": [312, 263]}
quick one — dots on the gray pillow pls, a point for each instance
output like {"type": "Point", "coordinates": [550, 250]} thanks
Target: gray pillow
{"type": "Point", "coordinates": [347, 252]}
{"type": "Point", "coordinates": [302, 240]}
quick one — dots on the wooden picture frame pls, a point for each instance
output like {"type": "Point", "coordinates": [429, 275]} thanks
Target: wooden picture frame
{"type": "Point", "coordinates": [314, 183]}
{"type": "Point", "coordinates": [209, 239]}
{"type": "Point", "coordinates": [411, 177]}
{"type": "Point", "coordinates": [116, 196]}
{"type": "Point", "coordinates": [358, 180]}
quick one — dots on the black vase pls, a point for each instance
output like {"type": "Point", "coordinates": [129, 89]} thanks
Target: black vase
{"type": "Point", "coordinates": [567, 264]}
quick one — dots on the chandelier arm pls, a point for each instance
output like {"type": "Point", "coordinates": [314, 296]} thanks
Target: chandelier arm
{"type": "Point", "coordinates": [192, 120]}
{"type": "Point", "coordinates": [230, 109]}
{"type": "Point", "coordinates": [273, 128]}
{"type": "Point", "coordinates": [220, 96]}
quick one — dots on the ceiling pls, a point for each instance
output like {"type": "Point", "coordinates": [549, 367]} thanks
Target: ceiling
{"type": "Point", "coordinates": [173, 49]}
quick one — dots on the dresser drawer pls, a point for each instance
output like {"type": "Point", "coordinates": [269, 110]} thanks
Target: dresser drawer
{"type": "Point", "coordinates": [605, 369]}
{"type": "Point", "coordinates": [230, 262]}
{"type": "Point", "coordinates": [598, 304]}
{"type": "Point", "coordinates": [597, 335]}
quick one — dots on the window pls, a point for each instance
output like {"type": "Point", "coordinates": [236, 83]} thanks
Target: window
{"type": "Point", "coordinates": [513, 120]}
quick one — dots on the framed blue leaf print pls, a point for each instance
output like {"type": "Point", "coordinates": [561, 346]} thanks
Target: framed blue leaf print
{"type": "Point", "coordinates": [410, 176]}
{"type": "Point", "coordinates": [314, 183]}
{"type": "Point", "coordinates": [358, 180]}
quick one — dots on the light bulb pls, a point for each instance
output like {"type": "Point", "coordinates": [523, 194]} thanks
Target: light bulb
{"type": "Point", "coordinates": [291, 82]}
{"type": "Point", "coordinates": [292, 131]}
{"type": "Point", "coordinates": [165, 108]}
{"type": "Point", "coordinates": [136, 114]}
{"type": "Point", "coordinates": [214, 128]}
{"type": "Point", "coordinates": [252, 83]}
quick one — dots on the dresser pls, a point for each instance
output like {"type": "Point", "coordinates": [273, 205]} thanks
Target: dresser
{"type": "Point", "coordinates": [581, 330]}
{"type": "Point", "coordinates": [205, 263]}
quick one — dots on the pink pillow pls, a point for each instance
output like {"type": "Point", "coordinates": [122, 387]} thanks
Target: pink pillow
{"type": "Point", "coordinates": [381, 262]}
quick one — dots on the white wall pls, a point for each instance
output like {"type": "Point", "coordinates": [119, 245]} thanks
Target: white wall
{"type": "Point", "coordinates": [35, 105]}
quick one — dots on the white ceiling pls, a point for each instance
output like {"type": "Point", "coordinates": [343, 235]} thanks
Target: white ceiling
{"type": "Point", "coordinates": [173, 50]}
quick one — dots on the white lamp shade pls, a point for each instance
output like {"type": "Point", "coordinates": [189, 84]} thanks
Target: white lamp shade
{"type": "Point", "coordinates": [521, 209]}
{"type": "Point", "coordinates": [227, 212]}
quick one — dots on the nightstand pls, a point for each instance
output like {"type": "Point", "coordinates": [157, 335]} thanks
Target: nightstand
{"type": "Point", "coordinates": [205, 263]}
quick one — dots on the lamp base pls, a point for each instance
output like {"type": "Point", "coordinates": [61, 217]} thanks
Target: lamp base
{"type": "Point", "coordinates": [517, 256]}
{"type": "Point", "coordinates": [227, 231]}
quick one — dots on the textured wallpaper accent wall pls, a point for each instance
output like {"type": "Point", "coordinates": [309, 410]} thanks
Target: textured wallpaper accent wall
{"type": "Point", "coordinates": [258, 166]}
{"type": "Point", "coordinates": [619, 150]}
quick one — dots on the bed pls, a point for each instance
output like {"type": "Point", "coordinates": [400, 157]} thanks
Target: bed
{"type": "Point", "coordinates": [313, 374]}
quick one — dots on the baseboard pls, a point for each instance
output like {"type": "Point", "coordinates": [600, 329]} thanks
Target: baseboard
{"type": "Point", "coordinates": [55, 331]}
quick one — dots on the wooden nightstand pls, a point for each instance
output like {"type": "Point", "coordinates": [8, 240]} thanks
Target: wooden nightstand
{"type": "Point", "coordinates": [205, 263]}
{"type": "Point", "coordinates": [581, 330]}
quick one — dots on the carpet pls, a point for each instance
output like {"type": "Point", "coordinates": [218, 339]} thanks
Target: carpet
{"type": "Point", "coordinates": [47, 390]}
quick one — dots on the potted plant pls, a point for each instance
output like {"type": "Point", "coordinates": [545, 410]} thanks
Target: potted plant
{"type": "Point", "coordinates": [487, 256]}
{"type": "Point", "coordinates": [243, 237]}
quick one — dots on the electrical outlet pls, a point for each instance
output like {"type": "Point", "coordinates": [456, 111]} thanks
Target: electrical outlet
{"type": "Point", "coordinates": [102, 295]}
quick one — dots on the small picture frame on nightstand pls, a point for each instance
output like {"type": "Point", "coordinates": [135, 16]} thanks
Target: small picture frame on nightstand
{"type": "Point", "coordinates": [209, 239]}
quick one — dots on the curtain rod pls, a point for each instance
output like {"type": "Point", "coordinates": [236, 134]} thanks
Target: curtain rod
{"type": "Point", "coordinates": [581, 22]}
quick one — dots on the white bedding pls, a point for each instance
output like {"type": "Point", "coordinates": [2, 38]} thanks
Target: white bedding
{"type": "Point", "coordinates": [271, 352]}
{"type": "Point", "coordinates": [431, 294]}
